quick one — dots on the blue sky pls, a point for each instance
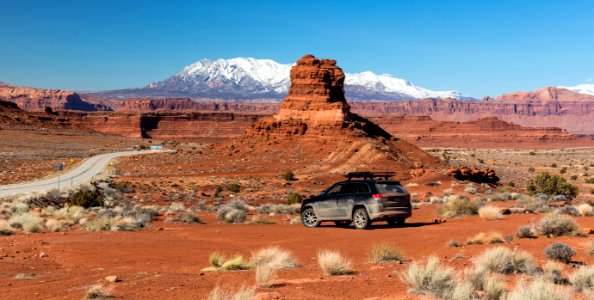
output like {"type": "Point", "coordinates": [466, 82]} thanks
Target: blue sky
{"type": "Point", "coordinates": [477, 47]}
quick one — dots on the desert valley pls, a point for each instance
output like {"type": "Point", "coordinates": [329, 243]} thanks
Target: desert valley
{"type": "Point", "coordinates": [295, 175]}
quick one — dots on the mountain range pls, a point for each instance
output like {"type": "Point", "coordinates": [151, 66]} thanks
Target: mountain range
{"type": "Point", "coordinates": [264, 80]}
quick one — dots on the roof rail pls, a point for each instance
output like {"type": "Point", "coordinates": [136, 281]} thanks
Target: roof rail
{"type": "Point", "coordinates": [370, 175]}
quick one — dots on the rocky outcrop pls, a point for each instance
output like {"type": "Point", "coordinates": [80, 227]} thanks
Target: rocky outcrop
{"type": "Point", "coordinates": [315, 106]}
{"type": "Point", "coordinates": [474, 175]}
{"type": "Point", "coordinates": [185, 104]}
{"type": "Point", "coordinates": [31, 99]}
{"type": "Point", "coordinates": [548, 94]}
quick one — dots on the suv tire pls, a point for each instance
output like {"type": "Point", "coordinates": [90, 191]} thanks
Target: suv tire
{"type": "Point", "coordinates": [361, 219]}
{"type": "Point", "coordinates": [309, 218]}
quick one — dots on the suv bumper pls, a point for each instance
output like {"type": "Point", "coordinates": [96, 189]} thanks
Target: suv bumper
{"type": "Point", "coordinates": [392, 213]}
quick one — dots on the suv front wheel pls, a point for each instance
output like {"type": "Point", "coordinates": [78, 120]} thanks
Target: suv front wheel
{"type": "Point", "coordinates": [309, 218]}
{"type": "Point", "coordinates": [361, 218]}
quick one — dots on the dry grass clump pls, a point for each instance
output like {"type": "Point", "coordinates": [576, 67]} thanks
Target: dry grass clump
{"type": "Point", "coordinates": [493, 288]}
{"type": "Point", "coordinates": [384, 253]}
{"type": "Point", "coordinates": [553, 271]}
{"type": "Point", "coordinates": [232, 212]}
{"type": "Point", "coordinates": [219, 262]}
{"type": "Point", "coordinates": [268, 261]}
{"type": "Point", "coordinates": [583, 278]}
{"type": "Point", "coordinates": [585, 209]}
{"type": "Point", "coordinates": [590, 248]}
{"type": "Point", "coordinates": [28, 222]}
{"type": "Point", "coordinates": [490, 213]}
{"type": "Point", "coordinates": [560, 252]}
{"type": "Point", "coordinates": [432, 278]}
{"type": "Point", "coordinates": [539, 288]}
{"type": "Point", "coordinates": [333, 263]}
{"type": "Point", "coordinates": [526, 232]}
{"type": "Point", "coordinates": [280, 209]}
{"type": "Point", "coordinates": [554, 225]}
{"type": "Point", "coordinates": [243, 293]}
{"type": "Point", "coordinates": [501, 260]}
{"type": "Point", "coordinates": [484, 238]}
{"type": "Point", "coordinates": [458, 206]}
{"type": "Point", "coordinates": [5, 228]}
{"type": "Point", "coordinates": [185, 217]}
{"type": "Point", "coordinates": [274, 257]}
{"type": "Point", "coordinates": [534, 204]}
{"type": "Point", "coordinates": [262, 220]}
{"type": "Point", "coordinates": [98, 292]}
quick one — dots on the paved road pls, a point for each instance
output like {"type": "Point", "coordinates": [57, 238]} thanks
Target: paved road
{"type": "Point", "coordinates": [81, 174]}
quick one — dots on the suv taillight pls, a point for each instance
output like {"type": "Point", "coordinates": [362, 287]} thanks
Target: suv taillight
{"type": "Point", "coordinates": [377, 196]}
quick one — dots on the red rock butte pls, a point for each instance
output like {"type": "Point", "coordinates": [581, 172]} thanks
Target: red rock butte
{"type": "Point", "coordinates": [315, 105]}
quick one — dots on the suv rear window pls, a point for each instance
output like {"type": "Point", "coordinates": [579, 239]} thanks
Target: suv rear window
{"type": "Point", "coordinates": [389, 188]}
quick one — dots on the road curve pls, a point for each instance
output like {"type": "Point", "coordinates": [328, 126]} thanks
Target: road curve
{"type": "Point", "coordinates": [81, 174]}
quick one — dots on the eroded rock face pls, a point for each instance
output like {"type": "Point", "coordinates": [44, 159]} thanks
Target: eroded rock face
{"type": "Point", "coordinates": [547, 94]}
{"type": "Point", "coordinates": [474, 175]}
{"type": "Point", "coordinates": [315, 106]}
{"type": "Point", "coordinates": [31, 99]}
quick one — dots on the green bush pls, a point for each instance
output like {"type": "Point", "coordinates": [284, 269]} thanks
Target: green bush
{"type": "Point", "coordinates": [87, 198]}
{"type": "Point", "coordinates": [294, 198]}
{"type": "Point", "coordinates": [234, 187]}
{"type": "Point", "coordinates": [560, 252]}
{"type": "Point", "coordinates": [551, 185]}
{"type": "Point", "coordinates": [459, 206]}
{"type": "Point", "coordinates": [289, 176]}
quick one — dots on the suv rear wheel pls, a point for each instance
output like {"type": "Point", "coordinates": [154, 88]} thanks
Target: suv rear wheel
{"type": "Point", "coordinates": [361, 218]}
{"type": "Point", "coordinates": [309, 218]}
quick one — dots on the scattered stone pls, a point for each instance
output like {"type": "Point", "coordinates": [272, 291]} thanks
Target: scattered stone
{"type": "Point", "coordinates": [112, 278]}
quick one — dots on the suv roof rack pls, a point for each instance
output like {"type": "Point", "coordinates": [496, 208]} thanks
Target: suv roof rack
{"type": "Point", "coordinates": [370, 175]}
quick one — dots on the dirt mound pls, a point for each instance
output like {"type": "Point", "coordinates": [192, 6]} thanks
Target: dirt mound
{"type": "Point", "coordinates": [315, 128]}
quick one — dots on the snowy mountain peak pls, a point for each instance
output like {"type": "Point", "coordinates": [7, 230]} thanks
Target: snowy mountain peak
{"type": "Point", "coordinates": [587, 88]}
{"type": "Point", "coordinates": [252, 77]}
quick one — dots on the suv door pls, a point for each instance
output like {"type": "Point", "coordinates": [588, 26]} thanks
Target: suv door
{"type": "Point", "coordinates": [326, 207]}
{"type": "Point", "coordinates": [344, 201]}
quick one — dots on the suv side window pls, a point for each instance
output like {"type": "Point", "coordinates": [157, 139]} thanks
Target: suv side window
{"type": "Point", "coordinates": [349, 188]}
{"type": "Point", "coordinates": [335, 190]}
{"type": "Point", "coordinates": [362, 188]}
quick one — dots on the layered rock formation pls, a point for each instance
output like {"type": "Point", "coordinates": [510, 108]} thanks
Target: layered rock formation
{"type": "Point", "coordinates": [185, 104]}
{"type": "Point", "coordinates": [474, 175]}
{"type": "Point", "coordinates": [315, 105]}
{"type": "Point", "coordinates": [548, 94]}
{"type": "Point", "coordinates": [31, 99]}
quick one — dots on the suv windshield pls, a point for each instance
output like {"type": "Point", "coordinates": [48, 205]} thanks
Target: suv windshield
{"type": "Point", "coordinates": [389, 188]}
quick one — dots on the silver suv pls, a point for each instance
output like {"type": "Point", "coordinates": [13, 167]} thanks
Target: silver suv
{"type": "Point", "coordinates": [372, 197]}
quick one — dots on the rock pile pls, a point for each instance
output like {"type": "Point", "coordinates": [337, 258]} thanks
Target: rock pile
{"type": "Point", "coordinates": [474, 175]}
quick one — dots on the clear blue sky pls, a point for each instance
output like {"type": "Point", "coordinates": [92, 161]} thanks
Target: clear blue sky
{"type": "Point", "coordinates": [477, 47]}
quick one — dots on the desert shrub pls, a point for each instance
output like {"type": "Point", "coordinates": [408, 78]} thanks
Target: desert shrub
{"type": "Point", "coordinates": [583, 278]}
{"type": "Point", "coordinates": [289, 176]}
{"type": "Point", "coordinates": [238, 204]}
{"type": "Point", "coordinates": [274, 257]}
{"type": "Point", "coordinates": [20, 207]}
{"type": "Point", "coordinates": [383, 253]}
{"type": "Point", "coordinates": [185, 217]}
{"type": "Point", "coordinates": [233, 187]}
{"type": "Point", "coordinates": [262, 220]}
{"type": "Point", "coordinates": [242, 294]}
{"type": "Point", "coordinates": [483, 238]}
{"type": "Point", "coordinates": [534, 204]}
{"type": "Point", "coordinates": [493, 288]}
{"type": "Point", "coordinates": [568, 210]}
{"type": "Point", "coordinates": [585, 209]}
{"type": "Point", "coordinates": [590, 248]}
{"type": "Point", "coordinates": [433, 183]}
{"type": "Point", "coordinates": [264, 275]}
{"type": "Point", "coordinates": [55, 225]}
{"type": "Point", "coordinates": [471, 190]}
{"type": "Point", "coordinates": [590, 180]}
{"type": "Point", "coordinates": [476, 277]}
{"type": "Point", "coordinates": [490, 213]}
{"type": "Point", "coordinates": [462, 291]}
{"type": "Point", "coordinates": [501, 260]}
{"type": "Point", "coordinates": [103, 223]}
{"type": "Point", "coordinates": [87, 198]}
{"type": "Point", "coordinates": [235, 216]}
{"type": "Point", "coordinates": [5, 228]}
{"type": "Point", "coordinates": [432, 278]}
{"type": "Point", "coordinates": [294, 198]}
{"type": "Point", "coordinates": [459, 206]}
{"type": "Point", "coordinates": [454, 244]}
{"type": "Point", "coordinates": [539, 288]}
{"type": "Point", "coordinates": [554, 225]}
{"type": "Point", "coordinates": [333, 263]}
{"type": "Point", "coordinates": [526, 232]}
{"type": "Point", "coordinates": [560, 252]}
{"type": "Point", "coordinates": [553, 271]}
{"type": "Point", "coordinates": [235, 263]}
{"type": "Point", "coordinates": [98, 292]}
{"type": "Point", "coordinates": [28, 222]}
{"type": "Point", "coordinates": [551, 185]}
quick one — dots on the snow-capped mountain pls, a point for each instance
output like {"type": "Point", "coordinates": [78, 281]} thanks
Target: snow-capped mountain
{"type": "Point", "coordinates": [587, 89]}
{"type": "Point", "coordinates": [250, 79]}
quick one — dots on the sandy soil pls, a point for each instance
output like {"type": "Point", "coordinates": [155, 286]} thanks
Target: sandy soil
{"type": "Point", "coordinates": [164, 261]}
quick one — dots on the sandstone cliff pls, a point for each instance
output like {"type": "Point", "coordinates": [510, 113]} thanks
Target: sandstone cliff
{"type": "Point", "coordinates": [38, 99]}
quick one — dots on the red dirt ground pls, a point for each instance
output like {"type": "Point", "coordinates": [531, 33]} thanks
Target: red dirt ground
{"type": "Point", "coordinates": [164, 261]}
